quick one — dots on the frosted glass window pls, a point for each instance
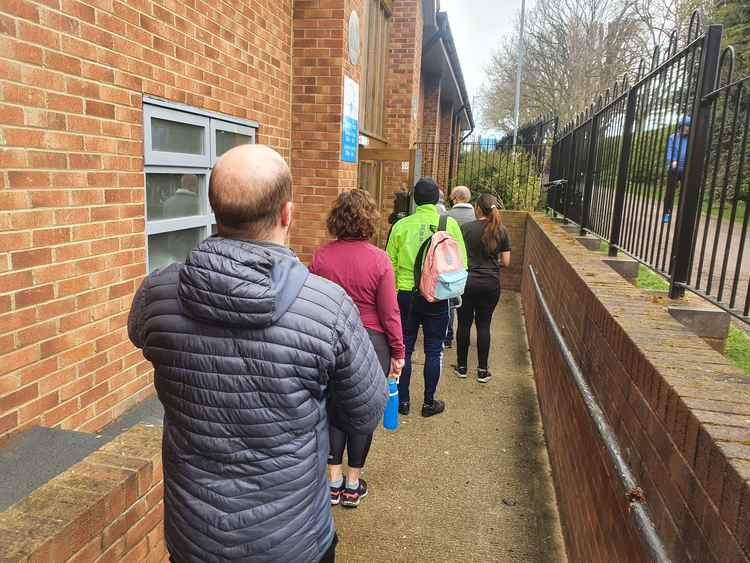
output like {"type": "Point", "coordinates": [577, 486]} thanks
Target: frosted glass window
{"type": "Point", "coordinates": [165, 248]}
{"type": "Point", "coordinates": [169, 196]}
{"type": "Point", "coordinates": [226, 140]}
{"type": "Point", "coordinates": [170, 136]}
{"type": "Point", "coordinates": [181, 144]}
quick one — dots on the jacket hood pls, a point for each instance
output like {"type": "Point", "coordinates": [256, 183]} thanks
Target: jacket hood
{"type": "Point", "coordinates": [240, 283]}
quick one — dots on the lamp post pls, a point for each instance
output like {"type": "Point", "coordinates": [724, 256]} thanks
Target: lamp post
{"type": "Point", "coordinates": [519, 72]}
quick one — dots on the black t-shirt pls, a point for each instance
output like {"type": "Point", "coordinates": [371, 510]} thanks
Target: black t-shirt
{"type": "Point", "coordinates": [480, 263]}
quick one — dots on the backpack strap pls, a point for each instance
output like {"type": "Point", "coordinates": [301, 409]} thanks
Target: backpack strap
{"type": "Point", "coordinates": [419, 261]}
{"type": "Point", "coordinates": [443, 223]}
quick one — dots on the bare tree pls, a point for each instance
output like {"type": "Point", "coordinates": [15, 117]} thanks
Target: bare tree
{"type": "Point", "coordinates": [659, 18]}
{"type": "Point", "coordinates": [574, 49]}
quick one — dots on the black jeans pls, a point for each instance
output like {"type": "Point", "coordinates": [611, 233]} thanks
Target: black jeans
{"type": "Point", "coordinates": [358, 445]}
{"type": "Point", "coordinates": [479, 301]}
{"type": "Point", "coordinates": [674, 179]}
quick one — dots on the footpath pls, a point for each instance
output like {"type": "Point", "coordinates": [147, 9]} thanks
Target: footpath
{"type": "Point", "coordinates": [470, 485]}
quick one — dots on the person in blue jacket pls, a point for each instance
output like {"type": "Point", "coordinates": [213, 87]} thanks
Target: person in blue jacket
{"type": "Point", "coordinates": [676, 156]}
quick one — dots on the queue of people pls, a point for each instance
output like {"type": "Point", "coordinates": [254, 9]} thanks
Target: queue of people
{"type": "Point", "coordinates": [268, 371]}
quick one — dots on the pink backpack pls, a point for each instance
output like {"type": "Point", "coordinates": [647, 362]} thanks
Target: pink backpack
{"type": "Point", "coordinates": [439, 270]}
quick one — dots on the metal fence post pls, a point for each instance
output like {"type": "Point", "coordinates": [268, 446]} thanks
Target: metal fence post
{"type": "Point", "coordinates": [588, 188]}
{"type": "Point", "coordinates": [569, 175]}
{"type": "Point", "coordinates": [682, 244]}
{"type": "Point", "coordinates": [622, 171]}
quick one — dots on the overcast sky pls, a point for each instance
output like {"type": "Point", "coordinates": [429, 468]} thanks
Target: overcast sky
{"type": "Point", "coordinates": [478, 26]}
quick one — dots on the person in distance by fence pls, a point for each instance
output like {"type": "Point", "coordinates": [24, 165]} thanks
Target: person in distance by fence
{"type": "Point", "coordinates": [676, 157]}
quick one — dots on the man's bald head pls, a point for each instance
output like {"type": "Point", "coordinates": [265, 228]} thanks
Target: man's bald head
{"type": "Point", "coordinates": [461, 194]}
{"type": "Point", "coordinates": [250, 185]}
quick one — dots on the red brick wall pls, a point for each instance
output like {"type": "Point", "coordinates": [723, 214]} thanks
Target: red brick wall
{"type": "Point", "coordinates": [444, 149]}
{"type": "Point", "coordinates": [515, 222]}
{"type": "Point", "coordinates": [402, 86]}
{"type": "Point", "coordinates": [430, 134]}
{"type": "Point", "coordinates": [108, 507]}
{"type": "Point", "coordinates": [320, 63]}
{"type": "Point", "coordinates": [72, 75]}
{"type": "Point", "coordinates": [679, 411]}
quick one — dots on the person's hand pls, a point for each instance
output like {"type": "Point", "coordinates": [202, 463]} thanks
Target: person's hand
{"type": "Point", "coordinates": [674, 165]}
{"type": "Point", "coordinates": [395, 370]}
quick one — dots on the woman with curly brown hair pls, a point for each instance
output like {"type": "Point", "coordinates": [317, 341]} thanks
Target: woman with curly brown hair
{"type": "Point", "coordinates": [365, 272]}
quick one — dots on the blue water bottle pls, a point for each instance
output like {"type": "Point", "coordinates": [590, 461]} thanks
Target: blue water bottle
{"type": "Point", "coordinates": [390, 418]}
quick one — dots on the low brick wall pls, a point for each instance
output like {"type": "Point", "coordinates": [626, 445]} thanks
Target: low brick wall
{"type": "Point", "coordinates": [679, 409]}
{"type": "Point", "coordinates": [515, 222]}
{"type": "Point", "coordinates": [108, 507]}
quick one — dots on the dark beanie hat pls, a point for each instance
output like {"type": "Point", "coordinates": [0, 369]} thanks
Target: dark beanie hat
{"type": "Point", "coordinates": [426, 192]}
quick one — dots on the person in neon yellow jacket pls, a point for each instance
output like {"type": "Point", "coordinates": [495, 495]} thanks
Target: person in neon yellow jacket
{"type": "Point", "coordinates": [404, 242]}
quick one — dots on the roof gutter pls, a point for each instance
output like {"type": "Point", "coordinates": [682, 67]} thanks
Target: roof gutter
{"type": "Point", "coordinates": [471, 130]}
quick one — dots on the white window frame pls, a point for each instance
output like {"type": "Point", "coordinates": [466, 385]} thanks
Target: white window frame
{"type": "Point", "coordinates": [161, 162]}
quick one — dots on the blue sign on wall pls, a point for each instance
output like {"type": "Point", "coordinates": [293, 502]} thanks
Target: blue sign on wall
{"type": "Point", "coordinates": [350, 121]}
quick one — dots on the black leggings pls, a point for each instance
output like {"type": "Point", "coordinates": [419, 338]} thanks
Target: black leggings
{"type": "Point", "coordinates": [479, 301]}
{"type": "Point", "coordinates": [358, 445]}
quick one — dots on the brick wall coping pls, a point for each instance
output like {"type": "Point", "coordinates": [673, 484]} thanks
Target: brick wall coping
{"type": "Point", "coordinates": [110, 503]}
{"type": "Point", "coordinates": [701, 401]}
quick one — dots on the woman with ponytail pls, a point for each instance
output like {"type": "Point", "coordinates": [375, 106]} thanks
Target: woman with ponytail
{"type": "Point", "coordinates": [488, 247]}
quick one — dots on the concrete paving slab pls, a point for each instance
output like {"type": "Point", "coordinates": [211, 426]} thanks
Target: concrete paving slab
{"type": "Point", "coordinates": [470, 485]}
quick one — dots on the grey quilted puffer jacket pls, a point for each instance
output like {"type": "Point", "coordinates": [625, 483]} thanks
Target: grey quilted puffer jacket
{"type": "Point", "coordinates": [250, 352]}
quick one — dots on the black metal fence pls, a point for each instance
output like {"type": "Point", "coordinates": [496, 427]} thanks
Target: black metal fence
{"type": "Point", "coordinates": [515, 174]}
{"type": "Point", "coordinates": [660, 170]}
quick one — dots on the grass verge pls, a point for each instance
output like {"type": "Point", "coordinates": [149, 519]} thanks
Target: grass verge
{"type": "Point", "coordinates": [738, 348]}
{"type": "Point", "coordinates": [738, 342]}
{"type": "Point", "coordinates": [647, 279]}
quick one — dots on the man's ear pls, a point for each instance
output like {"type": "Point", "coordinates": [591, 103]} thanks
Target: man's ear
{"type": "Point", "coordinates": [286, 214]}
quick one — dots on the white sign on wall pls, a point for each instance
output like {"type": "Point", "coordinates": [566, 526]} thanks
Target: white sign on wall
{"type": "Point", "coordinates": [350, 121]}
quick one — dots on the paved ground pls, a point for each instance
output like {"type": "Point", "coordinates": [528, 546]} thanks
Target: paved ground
{"type": "Point", "coordinates": [470, 485]}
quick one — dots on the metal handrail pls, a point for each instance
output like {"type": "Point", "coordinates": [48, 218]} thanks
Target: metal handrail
{"type": "Point", "coordinates": [633, 493]}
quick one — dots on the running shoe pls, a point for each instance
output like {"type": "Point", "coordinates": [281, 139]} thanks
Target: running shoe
{"type": "Point", "coordinates": [351, 498]}
{"type": "Point", "coordinates": [460, 371]}
{"type": "Point", "coordinates": [484, 376]}
{"type": "Point", "coordinates": [336, 493]}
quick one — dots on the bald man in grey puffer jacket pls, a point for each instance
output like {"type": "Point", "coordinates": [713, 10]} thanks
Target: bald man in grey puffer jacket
{"type": "Point", "coordinates": [251, 354]}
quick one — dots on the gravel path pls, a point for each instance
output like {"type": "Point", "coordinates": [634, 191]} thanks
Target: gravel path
{"type": "Point", "coordinates": [470, 485]}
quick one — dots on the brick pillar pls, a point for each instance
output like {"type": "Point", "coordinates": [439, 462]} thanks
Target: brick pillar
{"type": "Point", "coordinates": [444, 148]}
{"type": "Point", "coordinates": [430, 124]}
{"type": "Point", "coordinates": [402, 85]}
{"type": "Point", "coordinates": [320, 61]}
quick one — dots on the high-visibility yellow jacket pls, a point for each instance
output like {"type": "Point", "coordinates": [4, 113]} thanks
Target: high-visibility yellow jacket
{"type": "Point", "coordinates": [407, 237]}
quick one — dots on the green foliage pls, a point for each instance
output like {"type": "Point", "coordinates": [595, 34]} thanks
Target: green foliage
{"type": "Point", "coordinates": [513, 178]}
{"type": "Point", "coordinates": [738, 348]}
{"type": "Point", "coordinates": [735, 15]}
